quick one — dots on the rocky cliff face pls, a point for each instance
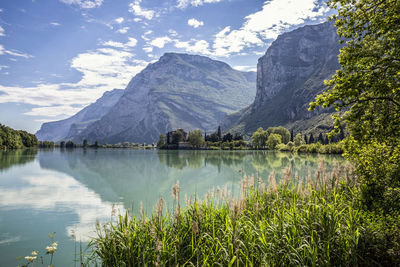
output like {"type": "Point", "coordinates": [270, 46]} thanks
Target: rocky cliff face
{"type": "Point", "coordinates": [68, 128]}
{"type": "Point", "coordinates": [289, 76]}
{"type": "Point", "coordinates": [178, 91]}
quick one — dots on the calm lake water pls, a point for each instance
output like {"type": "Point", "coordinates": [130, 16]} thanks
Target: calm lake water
{"type": "Point", "coordinates": [66, 191]}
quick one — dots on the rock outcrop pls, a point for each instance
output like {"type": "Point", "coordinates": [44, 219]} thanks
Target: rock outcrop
{"type": "Point", "coordinates": [289, 76]}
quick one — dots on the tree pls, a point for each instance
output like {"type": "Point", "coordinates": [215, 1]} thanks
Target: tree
{"type": "Point", "coordinates": [367, 90]}
{"type": "Point", "coordinates": [85, 143]}
{"type": "Point", "coordinates": [305, 139]}
{"type": "Point", "coordinates": [237, 137]}
{"type": "Point", "coordinates": [177, 137]}
{"type": "Point", "coordinates": [227, 137]}
{"type": "Point", "coordinates": [321, 138]}
{"type": "Point", "coordinates": [196, 139]}
{"type": "Point", "coordinates": [213, 137]}
{"type": "Point", "coordinates": [282, 131]}
{"type": "Point", "coordinates": [298, 140]}
{"type": "Point", "coordinates": [62, 144]}
{"type": "Point", "coordinates": [259, 138]}
{"type": "Point", "coordinates": [311, 139]}
{"type": "Point", "coordinates": [291, 135]}
{"type": "Point", "coordinates": [161, 141]}
{"type": "Point", "coordinates": [219, 133]}
{"type": "Point", "coordinates": [274, 140]}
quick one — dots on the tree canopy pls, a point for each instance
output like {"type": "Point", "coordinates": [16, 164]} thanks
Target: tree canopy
{"type": "Point", "coordinates": [13, 139]}
{"type": "Point", "coordinates": [366, 91]}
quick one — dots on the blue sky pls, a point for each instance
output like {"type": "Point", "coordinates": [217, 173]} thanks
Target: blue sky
{"type": "Point", "coordinates": [57, 56]}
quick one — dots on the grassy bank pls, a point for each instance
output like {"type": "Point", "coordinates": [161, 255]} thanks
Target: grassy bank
{"type": "Point", "coordinates": [308, 221]}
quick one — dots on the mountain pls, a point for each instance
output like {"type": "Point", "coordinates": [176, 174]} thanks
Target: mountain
{"type": "Point", "coordinates": [289, 76]}
{"type": "Point", "coordinates": [68, 128]}
{"type": "Point", "coordinates": [177, 91]}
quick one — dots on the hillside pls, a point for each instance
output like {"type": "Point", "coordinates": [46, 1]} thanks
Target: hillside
{"type": "Point", "coordinates": [289, 76]}
{"type": "Point", "coordinates": [68, 128]}
{"type": "Point", "coordinates": [178, 91]}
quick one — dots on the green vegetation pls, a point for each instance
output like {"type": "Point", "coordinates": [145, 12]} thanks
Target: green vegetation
{"type": "Point", "coordinates": [16, 157]}
{"type": "Point", "coordinates": [367, 89]}
{"type": "Point", "coordinates": [14, 139]}
{"type": "Point", "coordinates": [286, 225]}
{"type": "Point", "coordinates": [196, 139]}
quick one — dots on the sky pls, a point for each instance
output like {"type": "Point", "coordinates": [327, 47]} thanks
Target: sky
{"type": "Point", "coordinates": [58, 56]}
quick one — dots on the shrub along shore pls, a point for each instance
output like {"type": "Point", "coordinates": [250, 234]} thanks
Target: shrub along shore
{"type": "Point", "coordinates": [310, 221]}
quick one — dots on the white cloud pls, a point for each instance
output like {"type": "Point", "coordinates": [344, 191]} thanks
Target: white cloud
{"type": "Point", "coordinates": [119, 20]}
{"type": "Point", "coordinates": [194, 46]}
{"type": "Point", "coordinates": [1, 31]}
{"type": "Point", "coordinates": [3, 67]}
{"type": "Point", "coordinates": [102, 69]}
{"type": "Point", "coordinates": [131, 42]}
{"type": "Point", "coordinates": [148, 49]}
{"type": "Point", "coordinates": [185, 3]}
{"type": "Point", "coordinates": [114, 44]}
{"type": "Point", "coordinates": [144, 36]}
{"type": "Point", "coordinates": [245, 68]}
{"type": "Point", "coordinates": [136, 9]}
{"type": "Point", "coordinates": [160, 42]}
{"type": "Point", "coordinates": [195, 23]}
{"type": "Point", "coordinates": [275, 17]}
{"type": "Point", "coordinates": [51, 190]}
{"type": "Point", "coordinates": [123, 30]}
{"type": "Point", "coordinates": [84, 3]}
{"type": "Point", "coordinates": [55, 24]}
{"type": "Point", "coordinates": [13, 53]}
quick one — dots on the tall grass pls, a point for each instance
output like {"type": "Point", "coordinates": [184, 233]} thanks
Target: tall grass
{"type": "Point", "coordinates": [300, 222]}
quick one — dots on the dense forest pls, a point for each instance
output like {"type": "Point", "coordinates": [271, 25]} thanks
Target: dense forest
{"type": "Point", "coordinates": [14, 139]}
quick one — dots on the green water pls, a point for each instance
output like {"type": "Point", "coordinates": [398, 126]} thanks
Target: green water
{"type": "Point", "coordinates": [66, 191]}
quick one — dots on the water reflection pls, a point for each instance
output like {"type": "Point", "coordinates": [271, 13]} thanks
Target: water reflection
{"type": "Point", "coordinates": [16, 157]}
{"type": "Point", "coordinates": [65, 190]}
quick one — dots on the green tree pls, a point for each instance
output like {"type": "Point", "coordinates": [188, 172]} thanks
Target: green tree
{"type": "Point", "coordinates": [298, 140]}
{"type": "Point", "coordinates": [273, 140]}
{"type": "Point", "coordinates": [227, 137]}
{"type": "Point", "coordinates": [85, 143]}
{"type": "Point", "coordinates": [196, 139]}
{"type": "Point", "coordinates": [259, 138]}
{"type": "Point", "coordinates": [219, 133]}
{"type": "Point", "coordinates": [282, 131]}
{"type": "Point", "coordinates": [177, 137]}
{"type": "Point", "coordinates": [161, 141]}
{"type": "Point", "coordinates": [367, 91]}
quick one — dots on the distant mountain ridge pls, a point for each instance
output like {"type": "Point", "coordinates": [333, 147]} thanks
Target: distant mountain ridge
{"type": "Point", "coordinates": [68, 128]}
{"type": "Point", "coordinates": [177, 91]}
{"type": "Point", "coordinates": [289, 76]}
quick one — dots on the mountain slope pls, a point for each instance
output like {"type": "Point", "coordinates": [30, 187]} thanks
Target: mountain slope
{"type": "Point", "coordinates": [68, 128]}
{"type": "Point", "coordinates": [178, 91]}
{"type": "Point", "coordinates": [289, 76]}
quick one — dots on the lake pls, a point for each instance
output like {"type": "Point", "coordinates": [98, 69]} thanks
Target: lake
{"type": "Point", "coordinates": [67, 191]}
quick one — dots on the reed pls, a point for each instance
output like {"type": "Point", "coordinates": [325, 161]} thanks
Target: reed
{"type": "Point", "coordinates": [291, 224]}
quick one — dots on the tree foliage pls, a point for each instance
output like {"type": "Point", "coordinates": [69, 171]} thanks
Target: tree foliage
{"type": "Point", "coordinates": [196, 139]}
{"type": "Point", "coordinates": [282, 131]}
{"type": "Point", "coordinates": [273, 140]}
{"type": "Point", "coordinates": [259, 138]}
{"type": "Point", "coordinates": [298, 140]}
{"type": "Point", "coordinates": [14, 139]}
{"type": "Point", "coordinates": [161, 141]}
{"type": "Point", "coordinates": [367, 92]}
